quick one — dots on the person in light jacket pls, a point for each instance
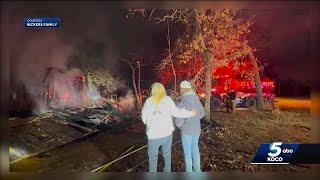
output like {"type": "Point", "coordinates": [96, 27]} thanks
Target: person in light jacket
{"type": "Point", "coordinates": [190, 127]}
{"type": "Point", "coordinates": [157, 114]}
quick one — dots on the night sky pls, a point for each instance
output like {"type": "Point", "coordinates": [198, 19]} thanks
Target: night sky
{"type": "Point", "coordinates": [85, 25]}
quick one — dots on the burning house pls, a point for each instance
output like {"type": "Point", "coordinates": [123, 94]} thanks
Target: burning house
{"type": "Point", "coordinates": [70, 106]}
{"type": "Point", "coordinates": [63, 89]}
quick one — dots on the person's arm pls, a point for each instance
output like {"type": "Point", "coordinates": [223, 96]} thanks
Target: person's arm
{"type": "Point", "coordinates": [178, 112]}
{"type": "Point", "coordinates": [180, 121]}
{"type": "Point", "coordinates": [200, 114]}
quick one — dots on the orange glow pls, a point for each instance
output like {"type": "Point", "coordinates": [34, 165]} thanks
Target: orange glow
{"type": "Point", "coordinates": [293, 103]}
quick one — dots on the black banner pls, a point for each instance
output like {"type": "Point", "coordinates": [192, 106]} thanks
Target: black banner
{"type": "Point", "coordinates": [307, 154]}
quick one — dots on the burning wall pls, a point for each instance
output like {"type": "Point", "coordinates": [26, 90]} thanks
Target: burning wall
{"type": "Point", "coordinates": [64, 88]}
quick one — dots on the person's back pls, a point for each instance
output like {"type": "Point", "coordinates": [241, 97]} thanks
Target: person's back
{"type": "Point", "coordinates": [159, 119]}
{"type": "Point", "coordinates": [157, 114]}
{"type": "Point", "coordinates": [191, 126]}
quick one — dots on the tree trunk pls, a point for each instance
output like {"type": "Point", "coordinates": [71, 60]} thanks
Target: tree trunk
{"type": "Point", "coordinates": [257, 81]}
{"type": "Point", "coordinates": [139, 89]}
{"type": "Point", "coordinates": [175, 77]}
{"type": "Point", "coordinates": [207, 56]}
{"type": "Point", "coordinates": [172, 65]}
{"type": "Point", "coordinates": [208, 78]}
{"type": "Point", "coordinates": [135, 87]}
{"type": "Point", "coordinates": [133, 81]}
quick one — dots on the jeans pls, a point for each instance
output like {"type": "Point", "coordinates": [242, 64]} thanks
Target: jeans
{"type": "Point", "coordinates": [153, 151]}
{"type": "Point", "coordinates": [233, 106]}
{"type": "Point", "coordinates": [191, 153]}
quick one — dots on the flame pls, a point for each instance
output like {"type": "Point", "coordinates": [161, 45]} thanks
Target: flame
{"type": "Point", "coordinates": [66, 97]}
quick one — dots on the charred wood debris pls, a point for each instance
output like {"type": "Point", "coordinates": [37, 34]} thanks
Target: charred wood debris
{"type": "Point", "coordinates": [101, 115]}
{"type": "Point", "coordinates": [57, 127]}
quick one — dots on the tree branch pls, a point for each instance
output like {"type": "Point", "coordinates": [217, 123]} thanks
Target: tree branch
{"type": "Point", "coordinates": [151, 14]}
{"type": "Point", "coordinates": [133, 11]}
{"type": "Point", "coordinates": [177, 15]}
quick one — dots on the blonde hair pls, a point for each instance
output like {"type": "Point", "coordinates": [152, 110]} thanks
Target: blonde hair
{"type": "Point", "coordinates": [158, 93]}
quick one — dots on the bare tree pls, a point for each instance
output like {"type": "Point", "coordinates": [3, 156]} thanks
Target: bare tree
{"type": "Point", "coordinates": [261, 40]}
{"type": "Point", "coordinates": [100, 78]}
{"type": "Point", "coordinates": [139, 85]}
{"type": "Point", "coordinates": [168, 61]}
{"type": "Point", "coordinates": [193, 70]}
{"type": "Point", "coordinates": [212, 34]}
{"type": "Point", "coordinates": [260, 99]}
{"type": "Point", "coordinates": [135, 62]}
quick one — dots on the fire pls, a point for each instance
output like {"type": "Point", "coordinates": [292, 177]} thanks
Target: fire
{"type": "Point", "coordinates": [65, 98]}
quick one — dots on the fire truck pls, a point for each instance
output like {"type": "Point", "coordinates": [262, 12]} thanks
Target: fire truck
{"type": "Point", "coordinates": [226, 78]}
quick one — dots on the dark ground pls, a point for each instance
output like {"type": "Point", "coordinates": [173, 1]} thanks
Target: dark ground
{"type": "Point", "coordinates": [229, 146]}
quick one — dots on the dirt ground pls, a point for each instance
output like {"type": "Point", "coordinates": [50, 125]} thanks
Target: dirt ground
{"type": "Point", "coordinates": [229, 145]}
{"type": "Point", "coordinates": [39, 134]}
{"type": "Point", "coordinates": [232, 144]}
{"type": "Point", "coordinates": [241, 134]}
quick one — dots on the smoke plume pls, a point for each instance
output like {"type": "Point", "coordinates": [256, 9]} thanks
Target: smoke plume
{"type": "Point", "coordinates": [32, 51]}
{"type": "Point", "coordinates": [127, 102]}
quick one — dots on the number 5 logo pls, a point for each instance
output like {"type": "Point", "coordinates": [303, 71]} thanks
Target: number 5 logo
{"type": "Point", "coordinates": [275, 149]}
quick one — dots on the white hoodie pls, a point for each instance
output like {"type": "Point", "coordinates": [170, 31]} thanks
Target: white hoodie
{"type": "Point", "coordinates": [158, 117]}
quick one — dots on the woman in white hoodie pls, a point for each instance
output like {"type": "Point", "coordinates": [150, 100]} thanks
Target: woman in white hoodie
{"type": "Point", "coordinates": [157, 114]}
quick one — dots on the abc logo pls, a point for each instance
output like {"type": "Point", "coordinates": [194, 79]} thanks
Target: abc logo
{"type": "Point", "coordinates": [287, 151]}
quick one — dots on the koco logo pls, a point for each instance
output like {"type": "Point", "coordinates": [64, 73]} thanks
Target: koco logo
{"type": "Point", "coordinates": [275, 150]}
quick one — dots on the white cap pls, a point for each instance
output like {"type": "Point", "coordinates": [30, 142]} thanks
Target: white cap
{"type": "Point", "coordinates": [185, 84]}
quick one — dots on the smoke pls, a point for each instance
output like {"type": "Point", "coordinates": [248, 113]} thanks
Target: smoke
{"type": "Point", "coordinates": [94, 94]}
{"type": "Point", "coordinates": [40, 51]}
{"type": "Point", "coordinates": [37, 54]}
{"type": "Point", "coordinates": [127, 102]}
{"type": "Point", "coordinates": [41, 107]}
{"type": "Point", "coordinates": [32, 51]}
{"type": "Point", "coordinates": [65, 90]}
